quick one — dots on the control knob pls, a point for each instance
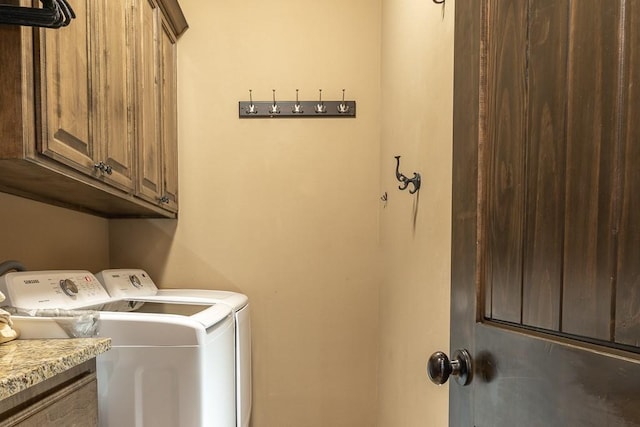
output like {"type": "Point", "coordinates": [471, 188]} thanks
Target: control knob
{"type": "Point", "coordinates": [68, 287]}
{"type": "Point", "coordinates": [135, 281]}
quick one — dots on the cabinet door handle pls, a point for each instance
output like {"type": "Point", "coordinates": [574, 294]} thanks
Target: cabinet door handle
{"type": "Point", "coordinates": [105, 168]}
{"type": "Point", "coordinates": [163, 199]}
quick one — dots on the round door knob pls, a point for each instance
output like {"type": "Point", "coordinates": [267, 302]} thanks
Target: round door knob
{"type": "Point", "coordinates": [440, 368]}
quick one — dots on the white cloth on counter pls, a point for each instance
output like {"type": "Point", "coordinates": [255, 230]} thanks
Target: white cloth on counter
{"type": "Point", "coordinates": [7, 333]}
{"type": "Point", "coordinates": [75, 323]}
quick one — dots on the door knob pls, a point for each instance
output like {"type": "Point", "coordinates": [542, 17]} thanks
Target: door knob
{"type": "Point", "coordinates": [439, 367]}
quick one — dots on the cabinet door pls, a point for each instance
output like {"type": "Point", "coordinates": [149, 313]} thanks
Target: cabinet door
{"type": "Point", "coordinates": [148, 102]}
{"type": "Point", "coordinates": [115, 93]}
{"type": "Point", "coordinates": [74, 405]}
{"type": "Point", "coordinates": [67, 80]}
{"type": "Point", "coordinates": [169, 114]}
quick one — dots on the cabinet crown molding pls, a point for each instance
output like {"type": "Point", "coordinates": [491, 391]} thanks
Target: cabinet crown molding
{"type": "Point", "coordinates": [174, 15]}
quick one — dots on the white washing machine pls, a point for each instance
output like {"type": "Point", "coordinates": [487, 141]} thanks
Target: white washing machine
{"type": "Point", "coordinates": [125, 283]}
{"type": "Point", "coordinates": [171, 363]}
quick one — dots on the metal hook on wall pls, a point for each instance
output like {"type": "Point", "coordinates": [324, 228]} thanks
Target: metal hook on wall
{"type": "Point", "coordinates": [251, 108]}
{"type": "Point", "coordinates": [416, 180]}
{"type": "Point", "coordinates": [297, 107]}
{"type": "Point", "coordinates": [343, 108]}
{"type": "Point", "coordinates": [274, 109]}
{"type": "Point", "coordinates": [320, 107]}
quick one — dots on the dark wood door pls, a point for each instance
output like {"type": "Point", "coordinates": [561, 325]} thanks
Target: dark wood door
{"type": "Point", "coordinates": [546, 212]}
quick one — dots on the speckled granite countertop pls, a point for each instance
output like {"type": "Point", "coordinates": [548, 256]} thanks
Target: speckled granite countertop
{"type": "Point", "coordinates": [25, 363]}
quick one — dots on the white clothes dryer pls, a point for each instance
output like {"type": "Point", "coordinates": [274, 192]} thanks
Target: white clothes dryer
{"type": "Point", "coordinates": [171, 363]}
{"type": "Point", "coordinates": [136, 283]}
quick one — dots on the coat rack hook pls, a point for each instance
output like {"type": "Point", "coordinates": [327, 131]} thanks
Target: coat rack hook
{"type": "Point", "coordinates": [274, 109]}
{"type": "Point", "coordinates": [416, 180]}
{"type": "Point", "coordinates": [251, 108]}
{"type": "Point", "coordinates": [297, 107]}
{"type": "Point", "coordinates": [342, 107]}
{"type": "Point", "coordinates": [320, 107]}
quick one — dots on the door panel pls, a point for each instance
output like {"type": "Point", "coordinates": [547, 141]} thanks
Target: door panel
{"type": "Point", "coordinates": [532, 172]}
{"type": "Point", "coordinates": [149, 147]}
{"type": "Point", "coordinates": [116, 73]}
{"type": "Point", "coordinates": [505, 133]}
{"type": "Point", "coordinates": [525, 381]}
{"type": "Point", "coordinates": [67, 80]}
{"type": "Point", "coordinates": [169, 114]}
{"type": "Point", "coordinates": [546, 234]}
{"type": "Point", "coordinates": [591, 140]}
{"type": "Point", "coordinates": [544, 229]}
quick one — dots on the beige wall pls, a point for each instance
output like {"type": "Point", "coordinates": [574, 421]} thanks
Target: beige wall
{"type": "Point", "coordinates": [349, 297]}
{"type": "Point", "coordinates": [44, 237]}
{"type": "Point", "coordinates": [417, 70]}
{"type": "Point", "coordinates": [285, 211]}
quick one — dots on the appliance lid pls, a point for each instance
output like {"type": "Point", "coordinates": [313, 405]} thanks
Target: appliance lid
{"type": "Point", "coordinates": [233, 299]}
{"type": "Point", "coordinates": [134, 283]}
{"type": "Point", "coordinates": [207, 314]}
{"type": "Point", "coordinates": [167, 307]}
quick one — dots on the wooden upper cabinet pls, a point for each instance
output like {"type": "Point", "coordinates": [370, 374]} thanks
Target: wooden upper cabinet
{"type": "Point", "coordinates": [157, 112]}
{"type": "Point", "coordinates": [90, 109]}
{"type": "Point", "coordinates": [169, 115]}
{"type": "Point", "coordinates": [148, 102]}
{"type": "Point", "coordinates": [86, 82]}
{"type": "Point", "coordinates": [67, 78]}
{"type": "Point", "coordinates": [115, 100]}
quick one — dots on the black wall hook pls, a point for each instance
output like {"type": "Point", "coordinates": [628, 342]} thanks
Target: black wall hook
{"type": "Point", "coordinates": [406, 181]}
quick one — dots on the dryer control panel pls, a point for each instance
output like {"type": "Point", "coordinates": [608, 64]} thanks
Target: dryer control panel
{"type": "Point", "coordinates": [127, 283]}
{"type": "Point", "coordinates": [53, 289]}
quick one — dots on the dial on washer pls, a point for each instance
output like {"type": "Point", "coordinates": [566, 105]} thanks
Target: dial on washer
{"type": "Point", "coordinates": [68, 287]}
{"type": "Point", "coordinates": [135, 281]}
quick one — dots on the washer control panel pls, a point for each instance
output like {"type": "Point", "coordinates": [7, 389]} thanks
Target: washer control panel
{"type": "Point", "coordinates": [127, 283]}
{"type": "Point", "coordinates": [53, 289]}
